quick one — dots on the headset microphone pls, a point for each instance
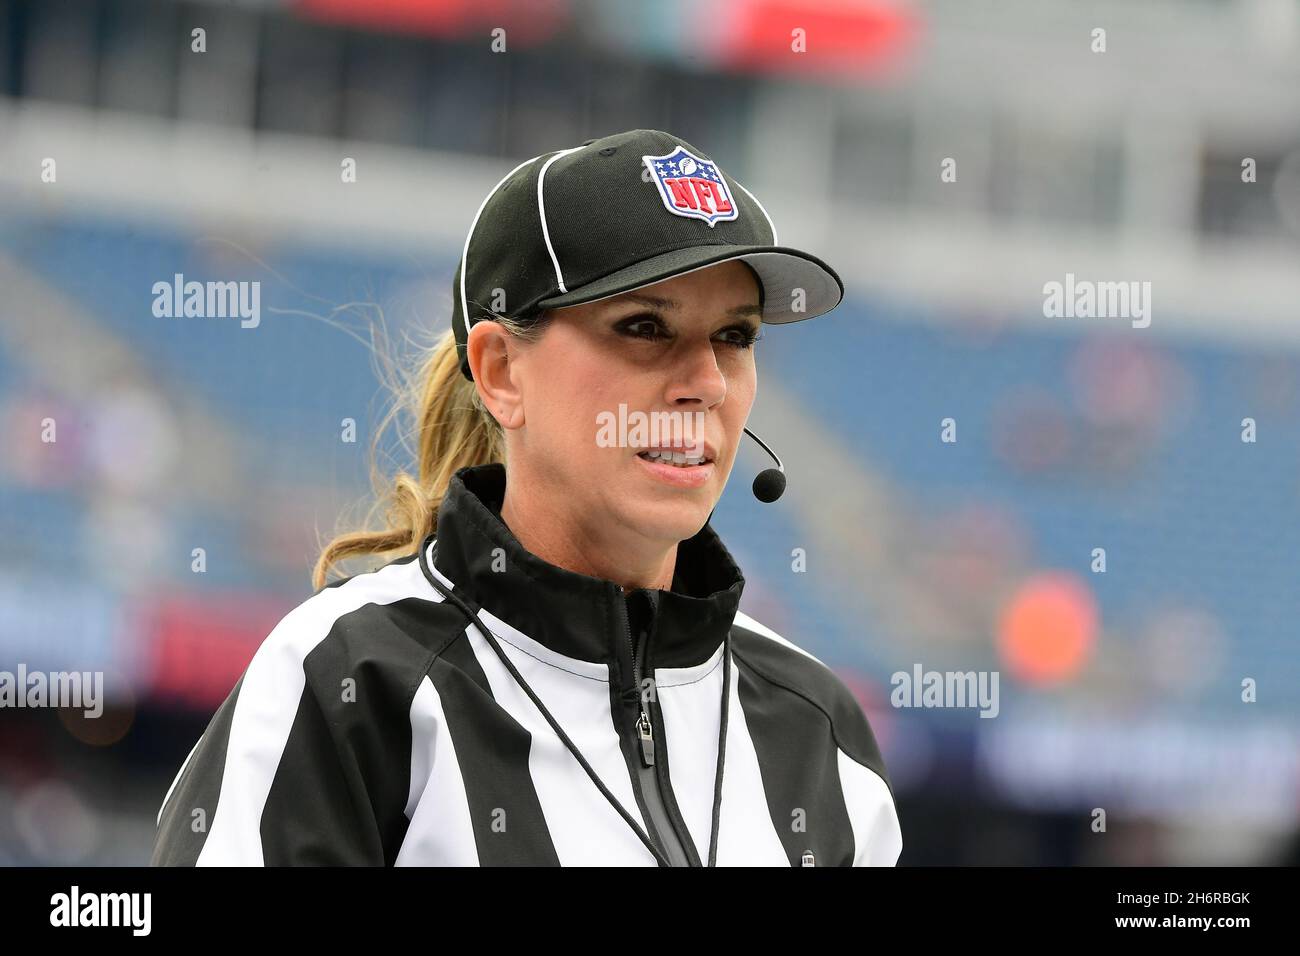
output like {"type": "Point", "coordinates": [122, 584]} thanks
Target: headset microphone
{"type": "Point", "coordinates": [769, 484]}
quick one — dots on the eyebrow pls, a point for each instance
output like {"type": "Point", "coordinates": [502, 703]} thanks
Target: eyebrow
{"type": "Point", "coordinates": [749, 308]}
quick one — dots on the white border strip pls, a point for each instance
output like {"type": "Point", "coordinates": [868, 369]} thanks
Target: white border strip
{"type": "Point", "coordinates": [464, 255]}
{"type": "Point", "coordinates": [541, 212]}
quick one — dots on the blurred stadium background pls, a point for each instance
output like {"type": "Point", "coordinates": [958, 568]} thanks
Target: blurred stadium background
{"type": "Point", "coordinates": [1119, 690]}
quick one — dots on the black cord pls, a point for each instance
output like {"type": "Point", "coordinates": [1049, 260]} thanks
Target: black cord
{"type": "Point", "coordinates": [491, 639]}
{"type": "Point", "coordinates": [559, 732]}
{"type": "Point", "coordinates": [722, 747]}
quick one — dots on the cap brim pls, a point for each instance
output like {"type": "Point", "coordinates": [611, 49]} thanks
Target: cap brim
{"type": "Point", "coordinates": [782, 271]}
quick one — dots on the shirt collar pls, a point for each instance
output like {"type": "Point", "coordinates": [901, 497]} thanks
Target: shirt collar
{"type": "Point", "coordinates": [574, 614]}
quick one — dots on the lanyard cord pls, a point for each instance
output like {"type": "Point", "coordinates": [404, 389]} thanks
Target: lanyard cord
{"type": "Point", "coordinates": [559, 732]}
{"type": "Point", "coordinates": [722, 746]}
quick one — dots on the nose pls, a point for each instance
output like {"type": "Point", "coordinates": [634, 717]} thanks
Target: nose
{"type": "Point", "coordinates": [697, 377]}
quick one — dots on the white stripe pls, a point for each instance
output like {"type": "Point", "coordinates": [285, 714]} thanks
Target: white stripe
{"type": "Point", "coordinates": [541, 212]}
{"type": "Point", "coordinates": [441, 832]}
{"type": "Point", "coordinates": [770, 224]}
{"type": "Point", "coordinates": [688, 703]}
{"type": "Point", "coordinates": [747, 833]}
{"type": "Point", "coordinates": [464, 256]}
{"type": "Point", "coordinates": [877, 836]}
{"type": "Point", "coordinates": [688, 698]}
{"type": "Point", "coordinates": [268, 701]}
{"type": "Point", "coordinates": [747, 622]}
{"type": "Point", "coordinates": [584, 828]}
{"type": "Point", "coordinates": [158, 821]}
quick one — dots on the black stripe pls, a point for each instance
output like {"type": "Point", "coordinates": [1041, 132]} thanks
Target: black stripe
{"type": "Point", "coordinates": [816, 683]}
{"type": "Point", "coordinates": [176, 842]}
{"type": "Point", "coordinates": [461, 656]}
{"type": "Point", "coordinates": [492, 751]}
{"type": "Point", "coordinates": [339, 795]}
{"type": "Point", "coordinates": [318, 811]}
{"type": "Point", "coordinates": [799, 714]}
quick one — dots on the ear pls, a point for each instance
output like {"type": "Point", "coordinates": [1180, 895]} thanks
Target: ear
{"type": "Point", "coordinates": [490, 350]}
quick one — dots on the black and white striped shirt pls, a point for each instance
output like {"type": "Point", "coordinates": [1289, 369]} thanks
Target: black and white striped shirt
{"type": "Point", "coordinates": [376, 725]}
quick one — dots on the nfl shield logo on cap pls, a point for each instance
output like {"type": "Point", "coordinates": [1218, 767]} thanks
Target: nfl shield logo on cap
{"type": "Point", "coordinates": [691, 186]}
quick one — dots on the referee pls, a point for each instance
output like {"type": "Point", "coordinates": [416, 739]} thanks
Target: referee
{"type": "Point", "coordinates": [552, 667]}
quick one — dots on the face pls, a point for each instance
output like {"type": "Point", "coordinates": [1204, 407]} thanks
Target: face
{"type": "Point", "coordinates": [684, 347]}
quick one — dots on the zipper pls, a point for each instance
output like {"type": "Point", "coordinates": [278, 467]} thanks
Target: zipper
{"type": "Point", "coordinates": [645, 731]}
{"type": "Point", "coordinates": [644, 728]}
{"type": "Point", "coordinates": [647, 778]}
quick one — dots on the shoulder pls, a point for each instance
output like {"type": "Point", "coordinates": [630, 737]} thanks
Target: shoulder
{"type": "Point", "coordinates": [384, 625]}
{"type": "Point", "coordinates": [792, 689]}
{"type": "Point", "coordinates": [306, 760]}
{"type": "Point", "coordinates": [787, 669]}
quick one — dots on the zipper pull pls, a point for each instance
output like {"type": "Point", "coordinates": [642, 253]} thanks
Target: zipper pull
{"type": "Point", "coordinates": [646, 732]}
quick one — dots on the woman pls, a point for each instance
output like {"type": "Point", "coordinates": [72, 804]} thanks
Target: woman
{"type": "Point", "coordinates": [553, 669]}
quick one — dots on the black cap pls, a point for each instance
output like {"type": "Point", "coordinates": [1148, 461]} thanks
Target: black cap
{"type": "Point", "coordinates": [615, 214]}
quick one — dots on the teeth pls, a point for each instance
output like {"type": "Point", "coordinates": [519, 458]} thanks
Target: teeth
{"type": "Point", "coordinates": [678, 459]}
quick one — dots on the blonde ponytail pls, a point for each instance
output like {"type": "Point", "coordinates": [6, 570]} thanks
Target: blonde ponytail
{"type": "Point", "coordinates": [454, 430]}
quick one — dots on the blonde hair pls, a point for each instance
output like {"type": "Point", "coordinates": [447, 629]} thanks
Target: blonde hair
{"type": "Point", "coordinates": [453, 430]}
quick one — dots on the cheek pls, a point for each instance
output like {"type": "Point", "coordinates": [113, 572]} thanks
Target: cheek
{"type": "Point", "coordinates": [742, 386]}
{"type": "Point", "coordinates": [563, 425]}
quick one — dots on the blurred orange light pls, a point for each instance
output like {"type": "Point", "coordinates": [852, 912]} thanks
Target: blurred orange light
{"type": "Point", "coordinates": [1047, 628]}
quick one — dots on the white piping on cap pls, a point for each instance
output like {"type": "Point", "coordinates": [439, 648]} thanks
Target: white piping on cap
{"type": "Point", "coordinates": [464, 256]}
{"type": "Point", "coordinates": [541, 213]}
{"type": "Point", "coordinates": [770, 224]}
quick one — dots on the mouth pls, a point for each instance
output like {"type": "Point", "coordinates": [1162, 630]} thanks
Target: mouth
{"type": "Point", "coordinates": [679, 457]}
{"type": "Point", "coordinates": [682, 466]}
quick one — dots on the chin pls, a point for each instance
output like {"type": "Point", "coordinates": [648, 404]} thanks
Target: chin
{"type": "Point", "coordinates": [671, 517]}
